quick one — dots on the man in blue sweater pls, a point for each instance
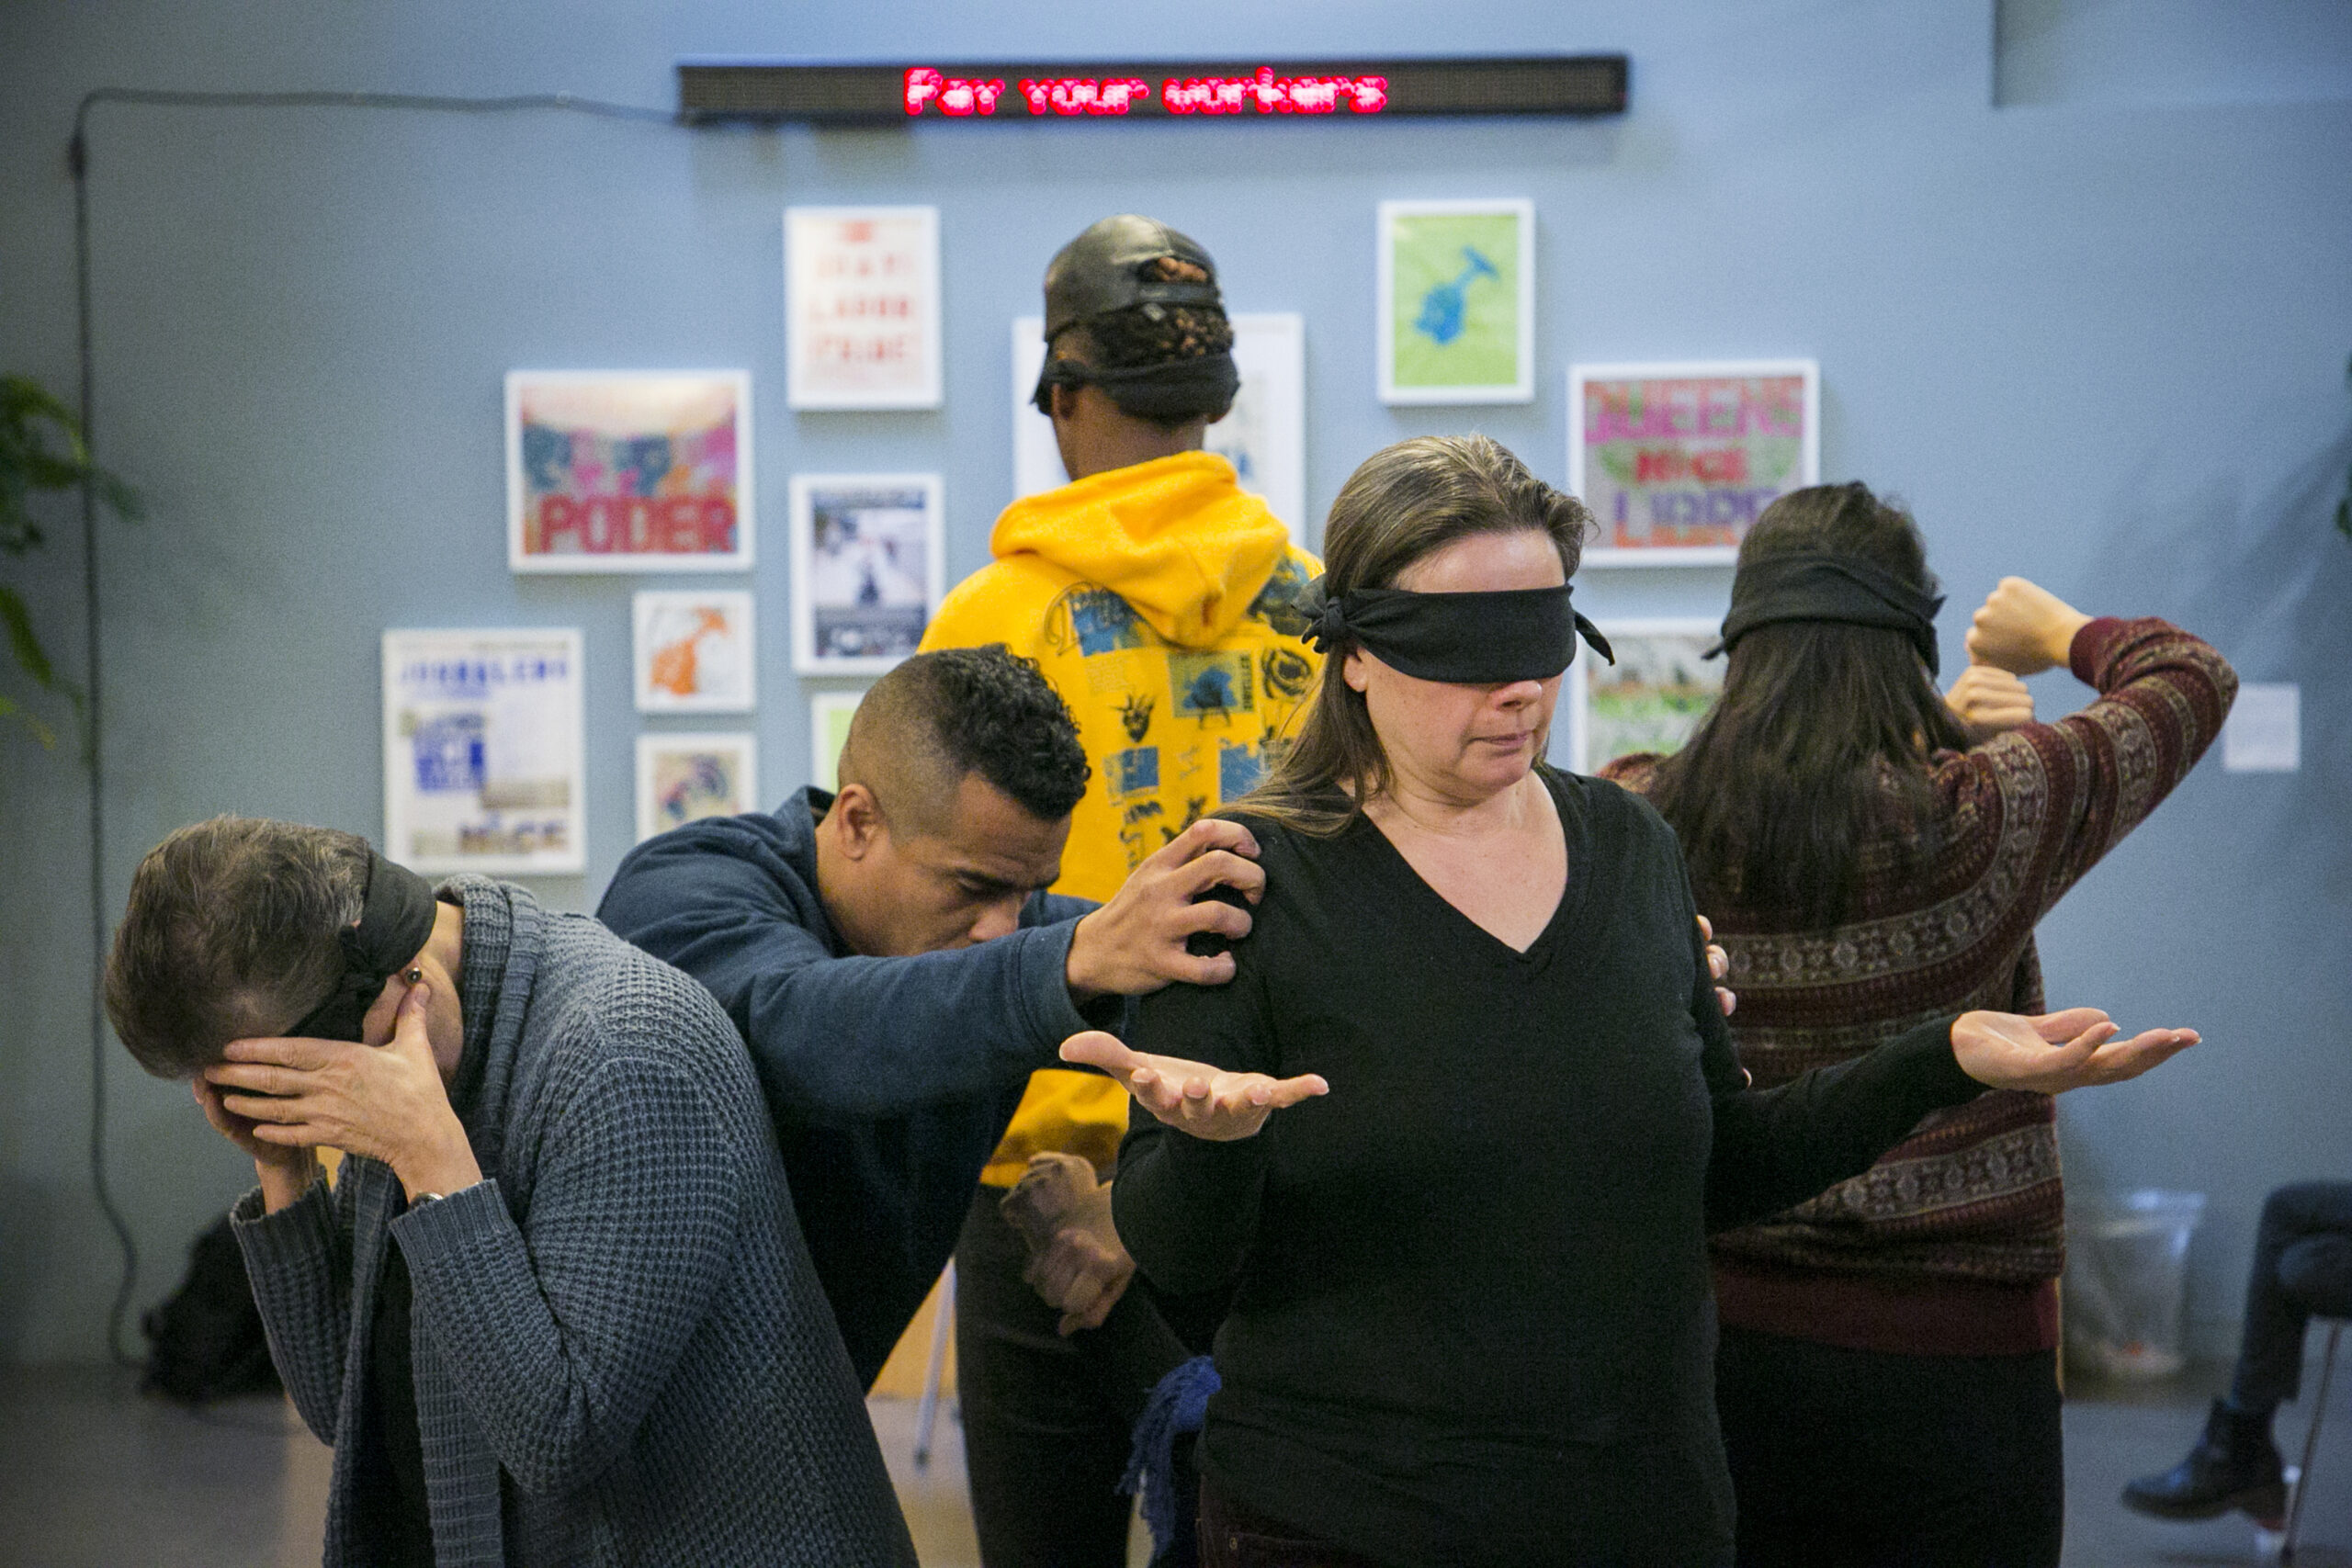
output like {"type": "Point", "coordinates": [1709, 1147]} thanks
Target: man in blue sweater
{"type": "Point", "coordinates": [898, 971]}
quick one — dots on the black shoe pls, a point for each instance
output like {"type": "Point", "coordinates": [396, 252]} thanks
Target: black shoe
{"type": "Point", "coordinates": [2233, 1465]}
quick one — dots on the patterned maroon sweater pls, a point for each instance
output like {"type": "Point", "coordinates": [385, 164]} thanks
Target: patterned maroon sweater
{"type": "Point", "coordinates": [1952, 1242]}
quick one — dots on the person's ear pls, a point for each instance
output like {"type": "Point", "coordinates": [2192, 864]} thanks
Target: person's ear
{"type": "Point", "coordinates": [1063, 402]}
{"type": "Point", "coordinates": [858, 817]}
{"type": "Point", "coordinates": [1352, 672]}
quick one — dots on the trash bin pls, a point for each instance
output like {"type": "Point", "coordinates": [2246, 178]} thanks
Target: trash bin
{"type": "Point", "coordinates": [2127, 1281]}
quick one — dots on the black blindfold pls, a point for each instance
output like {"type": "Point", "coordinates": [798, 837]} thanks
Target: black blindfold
{"type": "Point", "coordinates": [396, 918]}
{"type": "Point", "coordinates": [1470, 640]}
{"type": "Point", "coordinates": [1814, 585]}
{"type": "Point", "coordinates": [1170, 390]}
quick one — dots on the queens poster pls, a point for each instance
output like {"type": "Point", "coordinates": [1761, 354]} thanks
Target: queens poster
{"type": "Point", "coordinates": [629, 472]}
{"type": "Point", "coordinates": [1676, 460]}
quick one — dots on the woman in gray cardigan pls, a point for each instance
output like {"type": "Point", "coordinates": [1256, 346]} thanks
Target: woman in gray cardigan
{"type": "Point", "coordinates": [554, 1309]}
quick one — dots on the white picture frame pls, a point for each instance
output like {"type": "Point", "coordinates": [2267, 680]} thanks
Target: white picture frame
{"type": "Point", "coordinates": [683, 776]}
{"type": "Point", "coordinates": [1264, 437]}
{"type": "Point", "coordinates": [862, 307]}
{"type": "Point", "coordinates": [483, 762]}
{"type": "Point", "coordinates": [854, 605]}
{"type": "Point", "coordinates": [1579, 742]}
{"type": "Point", "coordinates": [692, 650]}
{"type": "Point", "coordinates": [571, 436]}
{"type": "Point", "coordinates": [1724, 502]}
{"type": "Point", "coordinates": [1470, 334]}
{"type": "Point", "coordinates": [829, 716]}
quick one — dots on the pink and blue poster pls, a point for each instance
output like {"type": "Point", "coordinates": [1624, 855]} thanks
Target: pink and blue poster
{"type": "Point", "coordinates": [1678, 460]}
{"type": "Point", "coordinates": [628, 470]}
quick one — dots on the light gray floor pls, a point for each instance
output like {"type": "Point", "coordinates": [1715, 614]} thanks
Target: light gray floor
{"type": "Point", "coordinates": [93, 1476]}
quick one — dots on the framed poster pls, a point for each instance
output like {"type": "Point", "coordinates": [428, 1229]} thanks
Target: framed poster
{"type": "Point", "coordinates": [868, 567]}
{"type": "Point", "coordinates": [1650, 700]}
{"type": "Point", "coordinates": [861, 301]}
{"type": "Point", "coordinates": [829, 716]}
{"type": "Point", "coordinates": [1264, 437]}
{"type": "Point", "coordinates": [1676, 460]}
{"type": "Point", "coordinates": [693, 651]}
{"type": "Point", "coordinates": [681, 777]}
{"type": "Point", "coordinates": [628, 470]}
{"type": "Point", "coordinates": [482, 767]}
{"type": "Point", "coordinates": [1456, 292]}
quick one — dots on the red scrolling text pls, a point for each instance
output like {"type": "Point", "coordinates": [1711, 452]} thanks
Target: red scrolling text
{"type": "Point", "coordinates": [926, 91]}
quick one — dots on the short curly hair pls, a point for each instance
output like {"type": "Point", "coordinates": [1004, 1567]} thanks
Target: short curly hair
{"type": "Point", "coordinates": [940, 716]}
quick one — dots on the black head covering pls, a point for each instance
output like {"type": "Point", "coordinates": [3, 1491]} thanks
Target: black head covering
{"type": "Point", "coordinates": [396, 915]}
{"type": "Point", "coordinates": [1104, 270]}
{"type": "Point", "coordinates": [1470, 640]}
{"type": "Point", "coordinates": [1817, 585]}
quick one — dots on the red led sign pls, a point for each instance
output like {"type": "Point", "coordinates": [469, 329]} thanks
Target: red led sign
{"type": "Point", "coordinates": [1262, 92]}
{"type": "Point", "coordinates": [1004, 93]}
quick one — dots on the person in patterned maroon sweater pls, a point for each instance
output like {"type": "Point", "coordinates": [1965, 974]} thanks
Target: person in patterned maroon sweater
{"type": "Point", "coordinates": [1873, 855]}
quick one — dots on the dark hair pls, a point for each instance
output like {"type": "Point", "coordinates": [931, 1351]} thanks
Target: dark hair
{"type": "Point", "coordinates": [231, 932]}
{"type": "Point", "coordinates": [1814, 759]}
{"type": "Point", "coordinates": [1154, 335]}
{"type": "Point", "coordinates": [1402, 504]}
{"type": "Point", "coordinates": [939, 716]}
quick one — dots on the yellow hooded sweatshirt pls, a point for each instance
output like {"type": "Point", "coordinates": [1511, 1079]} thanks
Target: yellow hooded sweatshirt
{"type": "Point", "coordinates": [1144, 594]}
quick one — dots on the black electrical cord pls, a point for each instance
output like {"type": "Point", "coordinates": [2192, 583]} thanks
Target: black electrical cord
{"type": "Point", "coordinates": [78, 162]}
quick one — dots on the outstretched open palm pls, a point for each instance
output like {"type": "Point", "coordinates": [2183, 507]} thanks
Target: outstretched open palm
{"type": "Point", "coordinates": [1193, 1097]}
{"type": "Point", "coordinates": [2057, 1051]}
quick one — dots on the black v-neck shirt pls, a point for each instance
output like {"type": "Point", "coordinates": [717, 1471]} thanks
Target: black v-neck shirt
{"type": "Point", "coordinates": [1470, 1319]}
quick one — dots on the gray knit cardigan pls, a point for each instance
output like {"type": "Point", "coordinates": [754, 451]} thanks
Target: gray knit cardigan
{"type": "Point", "coordinates": [621, 1354]}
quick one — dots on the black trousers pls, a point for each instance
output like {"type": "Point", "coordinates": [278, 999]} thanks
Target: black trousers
{"type": "Point", "coordinates": [1048, 1421]}
{"type": "Point", "coordinates": [2302, 1265]}
{"type": "Point", "coordinates": [1853, 1458]}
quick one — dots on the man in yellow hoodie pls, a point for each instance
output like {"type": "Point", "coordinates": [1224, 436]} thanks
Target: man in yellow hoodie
{"type": "Point", "coordinates": [1155, 594]}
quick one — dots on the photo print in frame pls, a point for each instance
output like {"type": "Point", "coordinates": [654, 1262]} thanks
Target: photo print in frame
{"type": "Point", "coordinates": [683, 777]}
{"type": "Point", "coordinates": [1650, 700]}
{"type": "Point", "coordinates": [1455, 313]}
{"type": "Point", "coordinates": [868, 569]}
{"type": "Point", "coordinates": [482, 762]}
{"type": "Point", "coordinates": [1678, 460]}
{"type": "Point", "coordinates": [628, 470]}
{"type": "Point", "coordinates": [692, 650]}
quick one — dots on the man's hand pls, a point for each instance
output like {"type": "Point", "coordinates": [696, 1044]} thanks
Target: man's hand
{"type": "Point", "coordinates": [1193, 1097]}
{"type": "Point", "coordinates": [1718, 965]}
{"type": "Point", "coordinates": [286, 1173]}
{"type": "Point", "coordinates": [2023, 628]}
{"type": "Point", "coordinates": [1989, 701]}
{"type": "Point", "coordinates": [1135, 944]}
{"type": "Point", "coordinates": [386, 1102]}
{"type": "Point", "coordinates": [2057, 1051]}
{"type": "Point", "coordinates": [1075, 1260]}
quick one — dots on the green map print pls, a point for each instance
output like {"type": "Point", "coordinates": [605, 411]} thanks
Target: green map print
{"type": "Point", "coordinates": [1456, 303]}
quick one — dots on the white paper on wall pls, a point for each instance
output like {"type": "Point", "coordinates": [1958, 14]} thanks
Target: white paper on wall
{"type": "Point", "coordinates": [2264, 733]}
{"type": "Point", "coordinates": [861, 291]}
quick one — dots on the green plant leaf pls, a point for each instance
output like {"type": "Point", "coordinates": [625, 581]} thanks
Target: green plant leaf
{"type": "Point", "coordinates": [11, 710]}
{"type": "Point", "coordinates": [31, 658]}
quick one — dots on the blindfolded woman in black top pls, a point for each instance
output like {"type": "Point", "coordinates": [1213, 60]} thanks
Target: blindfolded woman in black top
{"type": "Point", "coordinates": [1470, 1314]}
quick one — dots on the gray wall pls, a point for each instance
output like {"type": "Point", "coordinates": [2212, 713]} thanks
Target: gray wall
{"type": "Point", "coordinates": [2095, 332]}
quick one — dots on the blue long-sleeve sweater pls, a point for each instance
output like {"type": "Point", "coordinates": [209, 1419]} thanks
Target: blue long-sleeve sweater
{"type": "Point", "coordinates": [890, 1080]}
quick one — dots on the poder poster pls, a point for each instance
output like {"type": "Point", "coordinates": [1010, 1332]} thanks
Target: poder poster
{"type": "Point", "coordinates": [1676, 460]}
{"type": "Point", "coordinates": [628, 470]}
